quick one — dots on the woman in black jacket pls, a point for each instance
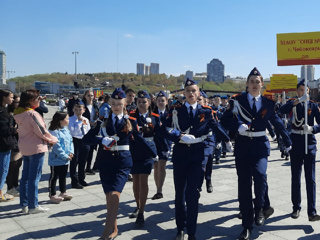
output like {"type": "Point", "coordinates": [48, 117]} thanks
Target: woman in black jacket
{"type": "Point", "coordinates": [7, 132]}
{"type": "Point", "coordinates": [92, 113]}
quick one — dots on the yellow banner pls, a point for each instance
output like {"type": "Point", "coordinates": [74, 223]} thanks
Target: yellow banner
{"type": "Point", "coordinates": [283, 82]}
{"type": "Point", "coordinates": [298, 48]}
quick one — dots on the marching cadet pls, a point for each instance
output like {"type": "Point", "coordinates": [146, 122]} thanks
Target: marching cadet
{"type": "Point", "coordinates": [115, 134]}
{"type": "Point", "coordinates": [296, 108]}
{"type": "Point", "coordinates": [209, 147]}
{"type": "Point", "coordinates": [248, 114]}
{"type": "Point", "coordinates": [163, 145]}
{"type": "Point", "coordinates": [148, 123]}
{"type": "Point", "coordinates": [187, 126]}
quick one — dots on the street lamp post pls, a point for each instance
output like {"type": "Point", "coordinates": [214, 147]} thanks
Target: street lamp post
{"type": "Point", "coordinates": [75, 63]}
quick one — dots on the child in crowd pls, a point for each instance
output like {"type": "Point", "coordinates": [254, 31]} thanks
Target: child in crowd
{"type": "Point", "coordinates": [78, 126]}
{"type": "Point", "coordinates": [60, 156]}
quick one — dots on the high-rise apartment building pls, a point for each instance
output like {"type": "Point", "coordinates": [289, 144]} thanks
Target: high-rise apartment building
{"type": "Point", "coordinates": [154, 68]}
{"type": "Point", "coordinates": [2, 67]}
{"type": "Point", "coordinates": [140, 69]}
{"type": "Point", "coordinates": [307, 71]}
{"type": "Point", "coordinates": [189, 74]}
{"type": "Point", "coordinates": [215, 71]}
{"type": "Point", "coordinates": [147, 70]}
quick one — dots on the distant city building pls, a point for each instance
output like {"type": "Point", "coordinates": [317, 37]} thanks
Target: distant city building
{"type": "Point", "coordinates": [307, 71]}
{"type": "Point", "coordinates": [2, 67]}
{"type": "Point", "coordinates": [215, 71]}
{"type": "Point", "coordinates": [189, 74]}
{"type": "Point", "coordinates": [12, 86]}
{"type": "Point", "coordinates": [147, 70]}
{"type": "Point", "coordinates": [154, 68]}
{"type": "Point", "coordinates": [140, 69]}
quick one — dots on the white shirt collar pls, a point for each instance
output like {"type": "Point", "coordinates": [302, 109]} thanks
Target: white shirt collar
{"type": "Point", "coordinates": [144, 115]}
{"type": "Point", "coordinates": [120, 116]}
{"type": "Point", "coordinates": [257, 97]}
{"type": "Point", "coordinates": [161, 111]}
{"type": "Point", "coordinates": [194, 106]}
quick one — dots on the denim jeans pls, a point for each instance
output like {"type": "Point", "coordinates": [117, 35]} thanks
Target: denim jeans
{"type": "Point", "coordinates": [4, 167]}
{"type": "Point", "coordinates": [31, 174]}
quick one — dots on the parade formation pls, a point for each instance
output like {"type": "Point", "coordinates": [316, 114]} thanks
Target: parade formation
{"type": "Point", "coordinates": [134, 134]}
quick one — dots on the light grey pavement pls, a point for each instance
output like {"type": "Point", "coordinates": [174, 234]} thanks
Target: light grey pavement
{"type": "Point", "coordinates": [83, 216]}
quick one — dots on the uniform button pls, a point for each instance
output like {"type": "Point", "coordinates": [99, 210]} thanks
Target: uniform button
{"type": "Point", "coordinates": [252, 129]}
{"type": "Point", "coordinates": [191, 127]}
{"type": "Point", "coordinates": [112, 154]}
{"type": "Point", "coordinates": [252, 118]}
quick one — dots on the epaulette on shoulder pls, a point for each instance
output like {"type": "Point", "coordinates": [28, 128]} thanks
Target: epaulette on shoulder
{"type": "Point", "coordinates": [132, 118]}
{"type": "Point", "coordinates": [291, 99]}
{"type": "Point", "coordinates": [154, 114]}
{"type": "Point", "coordinates": [132, 112]}
{"type": "Point", "coordinates": [313, 101]}
{"type": "Point", "coordinates": [176, 106]}
{"type": "Point", "coordinates": [236, 95]}
{"type": "Point", "coordinates": [206, 106]}
{"type": "Point", "coordinates": [213, 111]}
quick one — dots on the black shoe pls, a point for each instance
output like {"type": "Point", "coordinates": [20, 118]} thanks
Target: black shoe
{"type": "Point", "coordinates": [90, 172]}
{"type": "Point", "coordinates": [180, 235]}
{"type": "Point", "coordinates": [295, 214]}
{"type": "Point", "coordinates": [77, 186]}
{"type": "Point", "coordinates": [245, 234]}
{"type": "Point", "coordinates": [314, 218]}
{"type": "Point", "coordinates": [112, 238]}
{"type": "Point", "coordinates": [192, 237]}
{"type": "Point", "coordinates": [240, 215]}
{"type": "Point", "coordinates": [209, 187]}
{"type": "Point", "coordinates": [130, 179]}
{"type": "Point", "coordinates": [140, 219]}
{"type": "Point", "coordinates": [224, 155]}
{"type": "Point", "coordinates": [282, 154]}
{"type": "Point", "coordinates": [259, 218]}
{"type": "Point", "coordinates": [84, 184]}
{"type": "Point", "coordinates": [268, 212]}
{"type": "Point", "coordinates": [134, 214]}
{"type": "Point", "coordinates": [217, 161]}
{"type": "Point", "coordinates": [157, 196]}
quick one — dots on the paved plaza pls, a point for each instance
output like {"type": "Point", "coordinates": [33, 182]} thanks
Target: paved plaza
{"type": "Point", "coordinates": [83, 216]}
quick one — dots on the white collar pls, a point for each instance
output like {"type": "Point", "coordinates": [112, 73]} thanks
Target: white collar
{"type": "Point", "coordinates": [194, 106]}
{"type": "Point", "coordinates": [144, 114]}
{"type": "Point", "coordinates": [257, 97]}
{"type": "Point", "coordinates": [120, 116]}
{"type": "Point", "coordinates": [161, 111]}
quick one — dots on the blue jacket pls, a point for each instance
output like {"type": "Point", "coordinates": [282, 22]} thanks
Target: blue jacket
{"type": "Point", "coordinates": [256, 146]}
{"type": "Point", "coordinates": [104, 109]}
{"type": "Point", "coordinates": [59, 154]}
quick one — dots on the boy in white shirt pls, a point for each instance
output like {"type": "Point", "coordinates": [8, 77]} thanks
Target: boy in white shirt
{"type": "Point", "coordinates": [78, 126]}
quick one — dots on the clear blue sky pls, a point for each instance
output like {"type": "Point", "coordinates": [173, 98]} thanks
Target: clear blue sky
{"type": "Point", "coordinates": [39, 36]}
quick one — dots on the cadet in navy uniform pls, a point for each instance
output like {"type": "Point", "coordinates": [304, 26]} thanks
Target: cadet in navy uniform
{"type": "Point", "coordinates": [248, 114]}
{"type": "Point", "coordinates": [297, 154]}
{"type": "Point", "coordinates": [210, 145]}
{"type": "Point", "coordinates": [187, 126]}
{"type": "Point", "coordinates": [115, 134]}
{"type": "Point", "coordinates": [149, 124]}
{"type": "Point", "coordinates": [163, 145]}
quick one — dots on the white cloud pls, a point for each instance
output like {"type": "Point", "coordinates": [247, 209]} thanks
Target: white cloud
{"type": "Point", "coordinates": [187, 66]}
{"type": "Point", "coordinates": [128, 35]}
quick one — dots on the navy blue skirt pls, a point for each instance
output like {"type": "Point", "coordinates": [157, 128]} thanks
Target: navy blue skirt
{"type": "Point", "coordinates": [114, 170]}
{"type": "Point", "coordinates": [142, 167]}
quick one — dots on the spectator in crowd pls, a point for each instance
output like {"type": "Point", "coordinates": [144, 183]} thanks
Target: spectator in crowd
{"type": "Point", "coordinates": [131, 105]}
{"type": "Point", "coordinates": [7, 132]}
{"type": "Point", "coordinates": [34, 139]}
{"type": "Point", "coordinates": [42, 107]}
{"type": "Point", "coordinates": [74, 100]}
{"type": "Point", "coordinates": [16, 156]}
{"type": "Point", "coordinates": [60, 156]}
{"type": "Point", "coordinates": [91, 113]}
{"type": "Point", "coordinates": [105, 107]}
{"type": "Point", "coordinates": [62, 103]}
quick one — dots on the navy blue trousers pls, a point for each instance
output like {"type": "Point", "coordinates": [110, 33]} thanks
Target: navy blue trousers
{"type": "Point", "coordinates": [187, 176]}
{"type": "Point", "coordinates": [299, 158]}
{"type": "Point", "coordinates": [251, 169]}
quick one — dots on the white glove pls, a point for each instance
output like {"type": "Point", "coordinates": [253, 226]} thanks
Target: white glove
{"type": "Point", "coordinates": [188, 138]}
{"type": "Point", "coordinates": [242, 128]}
{"type": "Point", "coordinates": [288, 149]}
{"type": "Point", "coordinates": [218, 145]}
{"type": "Point", "coordinates": [229, 147]}
{"type": "Point", "coordinates": [307, 129]}
{"type": "Point", "coordinates": [304, 98]}
{"type": "Point", "coordinates": [106, 141]}
{"type": "Point", "coordinates": [115, 138]}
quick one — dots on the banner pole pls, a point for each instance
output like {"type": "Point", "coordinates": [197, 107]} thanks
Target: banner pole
{"type": "Point", "coordinates": [306, 113]}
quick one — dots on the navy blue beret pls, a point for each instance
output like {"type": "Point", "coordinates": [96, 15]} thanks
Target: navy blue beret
{"type": "Point", "coordinates": [118, 93]}
{"type": "Point", "coordinates": [143, 94]}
